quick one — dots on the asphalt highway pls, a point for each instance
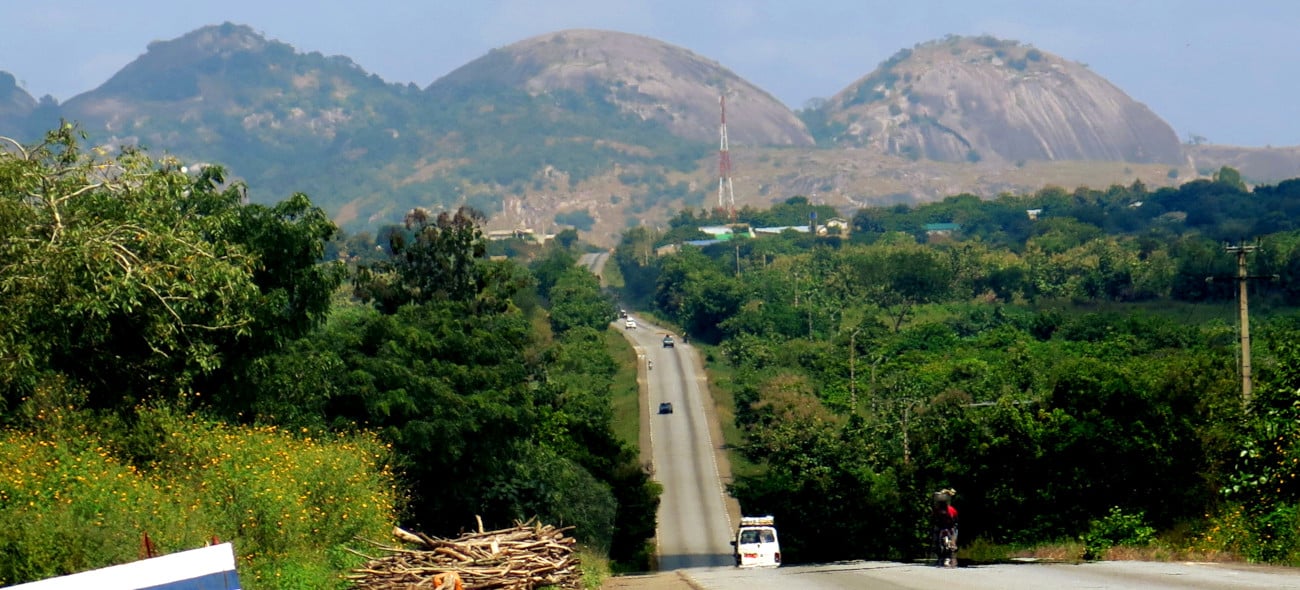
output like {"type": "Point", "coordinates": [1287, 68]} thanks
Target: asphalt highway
{"type": "Point", "coordinates": [695, 525]}
{"type": "Point", "coordinates": [697, 519]}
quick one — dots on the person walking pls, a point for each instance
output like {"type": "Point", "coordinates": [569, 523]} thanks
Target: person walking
{"type": "Point", "coordinates": [944, 516]}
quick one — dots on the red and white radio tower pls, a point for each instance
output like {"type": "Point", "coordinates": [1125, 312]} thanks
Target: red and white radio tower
{"type": "Point", "coordinates": [726, 196]}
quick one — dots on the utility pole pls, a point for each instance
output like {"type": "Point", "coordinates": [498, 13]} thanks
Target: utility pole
{"type": "Point", "coordinates": [853, 373]}
{"type": "Point", "coordinates": [737, 257]}
{"type": "Point", "coordinates": [810, 316]}
{"type": "Point", "coordinates": [907, 442]}
{"type": "Point", "coordinates": [796, 288]}
{"type": "Point", "coordinates": [1243, 309]}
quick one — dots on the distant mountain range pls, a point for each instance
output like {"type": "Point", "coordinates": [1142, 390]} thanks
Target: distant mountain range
{"type": "Point", "coordinates": [602, 130]}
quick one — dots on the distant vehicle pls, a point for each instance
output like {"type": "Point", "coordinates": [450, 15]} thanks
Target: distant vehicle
{"type": "Point", "coordinates": [666, 408]}
{"type": "Point", "coordinates": [630, 324]}
{"type": "Point", "coordinates": [668, 341]}
{"type": "Point", "coordinates": [622, 313]}
{"type": "Point", "coordinates": [756, 543]}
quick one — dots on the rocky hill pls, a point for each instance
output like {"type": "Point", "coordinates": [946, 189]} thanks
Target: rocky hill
{"type": "Point", "coordinates": [650, 79]}
{"type": "Point", "coordinates": [600, 130]}
{"type": "Point", "coordinates": [283, 120]}
{"type": "Point", "coordinates": [970, 99]}
{"type": "Point", "coordinates": [15, 103]}
{"type": "Point", "coordinates": [19, 112]}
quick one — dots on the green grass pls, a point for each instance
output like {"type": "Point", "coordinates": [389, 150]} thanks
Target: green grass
{"type": "Point", "coordinates": [626, 400]}
{"type": "Point", "coordinates": [980, 551]}
{"type": "Point", "coordinates": [724, 401]}
{"type": "Point", "coordinates": [595, 568]}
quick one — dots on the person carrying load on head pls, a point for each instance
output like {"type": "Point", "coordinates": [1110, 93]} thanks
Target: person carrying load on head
{"type": "Point", "coordinates": [944, 517]}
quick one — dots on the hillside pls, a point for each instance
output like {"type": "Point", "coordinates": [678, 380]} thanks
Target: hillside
{"type": "Point", "coordinates": [601, 130]}
{"type": "Point", "coordinates": [970, 99]}
{"type": "Point", "coordinates": [1257, 165]}
{"type": "Point", "coordinates": [15, 103]}
{"type": "Point", "coordinates": [283, 120]}
{"type": "Point", "coordinates": [19, 112]}
{"type": "Point", "coordinates": [649, 79]}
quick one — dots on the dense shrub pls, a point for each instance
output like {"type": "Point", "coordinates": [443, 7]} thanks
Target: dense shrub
{"type": "Point", "coordinates": [74, 497]}
{"type": "Point", "coordinates": [1116, 528]}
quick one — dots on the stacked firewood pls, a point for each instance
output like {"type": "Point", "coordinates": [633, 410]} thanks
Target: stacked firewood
{"type": "Point", "coordinates": [525, 557]}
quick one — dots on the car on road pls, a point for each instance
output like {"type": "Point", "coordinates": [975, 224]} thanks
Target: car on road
{"type": "Point", "coordinates": [756, 544]}
{"type": "Point", "coordinates": [630, 324]}
{"type": "Point", "coordinates": [666, 408]}
{"type": "Point", "coordinates": [668, 341]}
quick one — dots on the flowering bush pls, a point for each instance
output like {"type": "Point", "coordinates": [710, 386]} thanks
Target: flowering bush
{"type": "Point", "coordinates": [73, 498]}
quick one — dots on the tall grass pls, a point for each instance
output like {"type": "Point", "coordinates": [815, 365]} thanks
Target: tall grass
{"type": "Point", "coordinates": [626, 398]}
{"type": "Point", "coordinates": [720, 383]}
{"type": "Point", "coordinates": [73, 498]}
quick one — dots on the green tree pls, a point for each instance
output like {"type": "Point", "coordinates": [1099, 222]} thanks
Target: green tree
{"type": "Point", "coordinates": [548, 269]}
{"type": "Point", "coordinates": [139, 280]}
{"type": "Point", "coordinates": [639, 264]}
{"type": "Point", "coordinates": [433, 258]}
{"type": "Point", "coordinates": [1230, 177]}
{"type": "Point", "coordinates": [696, 294]}
{"type": "Point", "coordinates": [567, 238]}
{"type": "Point", "coordinates": [580, 429]}
{"type": "Point", "coordinates": [576, 301]}
{"type": "Point", "coordinates": [828, 499]}
{"type": "Point", "coordinates": [490, 419]}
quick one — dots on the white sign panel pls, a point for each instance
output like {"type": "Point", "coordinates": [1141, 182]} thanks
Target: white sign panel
{"type": "Point", "coordinates": [209, 568]}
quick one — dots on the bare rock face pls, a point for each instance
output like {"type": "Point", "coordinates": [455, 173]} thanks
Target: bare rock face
{"type": "Point", "coordinates": [968, 99]}
{"type": "Point", "coordinates": [642, 76]}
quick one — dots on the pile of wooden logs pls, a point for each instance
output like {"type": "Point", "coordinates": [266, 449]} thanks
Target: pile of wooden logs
{"type": "Point", "coordinates": [525, 557]}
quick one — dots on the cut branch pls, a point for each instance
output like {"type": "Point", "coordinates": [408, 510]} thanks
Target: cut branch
{"type": "Point", "coordinates": [525, 557]}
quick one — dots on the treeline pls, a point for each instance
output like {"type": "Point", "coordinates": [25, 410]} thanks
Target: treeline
{"type": "Point", "coordinates": [1072, 372]}
{"type": "Point", "coordinates": [178, 362]}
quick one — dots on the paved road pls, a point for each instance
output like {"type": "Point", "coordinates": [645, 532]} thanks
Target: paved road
{"type": "Point", "coordinates": [1111, 575]}
{"type": "Point", "coordinates": [594, 263]}
{"type": "Point", "coordinates": [695, 519]}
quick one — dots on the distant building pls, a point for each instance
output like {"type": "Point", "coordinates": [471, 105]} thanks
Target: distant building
{"type": "Point", "coordinates": [778, 229]}
{"type": "Point", "coordinates": [941, 229]}
{"type": "Point", "coordinates": [1033, 213]}
{"type": "Point", "coordinates": [521, 233]}
{"type": "Point", "coordinates": [726, 232]}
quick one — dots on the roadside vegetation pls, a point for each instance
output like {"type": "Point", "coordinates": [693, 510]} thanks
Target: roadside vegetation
{"type": "Point", "coordinates": [178, 363]}
{"type": "Point", "coordinates": [1068, 361]}
{"type": "Point", "coordinates": [76, 491]}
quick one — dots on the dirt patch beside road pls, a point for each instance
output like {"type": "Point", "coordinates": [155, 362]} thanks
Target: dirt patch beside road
{"type": "Point", "coordinates": [655, 581]}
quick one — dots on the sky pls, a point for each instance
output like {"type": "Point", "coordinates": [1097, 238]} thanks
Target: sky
{"type": "Point", "coordinates": [1223, 71]}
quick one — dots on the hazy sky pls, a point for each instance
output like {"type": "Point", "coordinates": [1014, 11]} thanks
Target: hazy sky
{"type": "Point", "coordinates": [1223, 70]}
